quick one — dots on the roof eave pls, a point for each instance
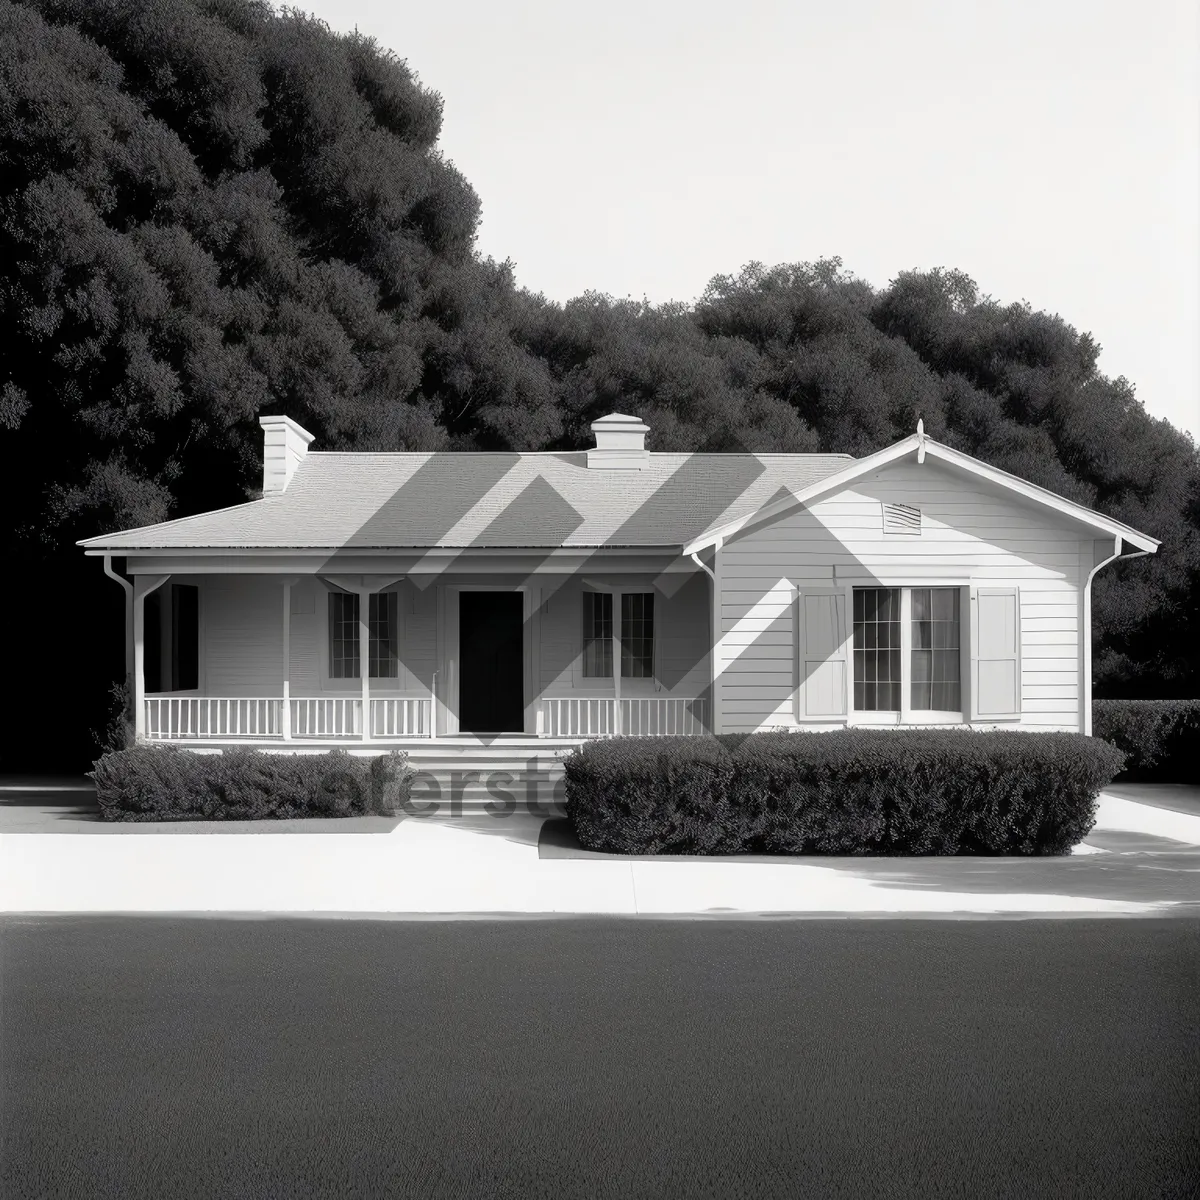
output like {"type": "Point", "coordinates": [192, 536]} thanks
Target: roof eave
{"type": "Point", "coordinates": [319, 551]}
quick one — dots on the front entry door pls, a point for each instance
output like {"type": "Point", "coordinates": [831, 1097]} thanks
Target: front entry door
{"type": "Point", "coordinates": [491, 696]}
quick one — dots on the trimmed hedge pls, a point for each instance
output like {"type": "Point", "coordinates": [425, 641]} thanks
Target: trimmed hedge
{"type": "Point", "coordinates": [848, 792]}
{"type": "Point", "coordinates": [1160, 738]}
{"type": "Point", "coordinates": [665, 795]}
{"type": "Point", "coordinates": [165, 783]}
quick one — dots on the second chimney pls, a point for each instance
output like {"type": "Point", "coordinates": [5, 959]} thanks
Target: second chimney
{"type": "Point", "coordinates": [284, 446]}
{"type": "Point", "coordinates": [620, 443]}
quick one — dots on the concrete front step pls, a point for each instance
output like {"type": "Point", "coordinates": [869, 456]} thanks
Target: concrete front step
{"type": "Point", "coordinates": [497, 785]}
{"type": "Point", "coordinates": [466, 776]}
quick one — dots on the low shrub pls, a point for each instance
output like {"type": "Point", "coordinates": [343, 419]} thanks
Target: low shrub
{"type": "Point", "coordinates": [651, 795]}
{"type": "Point", "coordinates": [1159, 738]}
{"type": "Point", "coordinates": [165, 783]}
{"type": "Point", "coordinates": [846, 792]}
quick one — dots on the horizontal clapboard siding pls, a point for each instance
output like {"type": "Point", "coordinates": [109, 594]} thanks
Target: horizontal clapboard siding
{"type": "Point", "coordinates": [242, 643]}
{"type": "Point", "coordinates": [966, 533]}
{"type": "Point", "coordinates": [419, 606]}
{"type": "Point", "coordinates": [243, 636]}
{"type": "Point", "coordinates": [304, 642]}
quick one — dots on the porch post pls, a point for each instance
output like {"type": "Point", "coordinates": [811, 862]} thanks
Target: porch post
{"type": "Point", "coordinates": [364, 659]}
{"type": "Point", "coordinates": [285, 713]}
{"type": "Point", "coordinates": [616, 664]}
{"type": "Point", "coordinates": [143, 585]}
{"type": "Point", "coordinates": [139, 661]}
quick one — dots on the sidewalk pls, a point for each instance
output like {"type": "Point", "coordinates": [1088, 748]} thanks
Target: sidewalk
{"type": "Point", "coordinates": [1141, 859]}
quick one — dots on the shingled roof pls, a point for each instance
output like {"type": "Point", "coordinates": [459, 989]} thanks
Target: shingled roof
{"type": "Point", "coordinates": [343, 500]}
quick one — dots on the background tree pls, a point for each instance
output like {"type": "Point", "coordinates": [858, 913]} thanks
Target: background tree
{"type": "Point", "coordinates": [213, 209]}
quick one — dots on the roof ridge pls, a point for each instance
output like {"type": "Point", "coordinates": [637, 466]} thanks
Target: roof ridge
{"type": "Point", "coordinates": [548, 453]}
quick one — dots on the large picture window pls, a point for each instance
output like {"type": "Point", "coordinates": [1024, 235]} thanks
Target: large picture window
{"type": "Point", "coordinates": [383, 648]}
{"type": "Point", "coordinates": [927, 662]}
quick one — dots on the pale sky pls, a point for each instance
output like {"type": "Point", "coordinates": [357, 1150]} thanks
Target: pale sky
{"type": "Point", "coordinates": [1049, 148]}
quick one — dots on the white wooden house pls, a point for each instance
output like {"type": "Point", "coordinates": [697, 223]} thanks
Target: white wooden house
{"type": "Point", "coordinates": [502, 601]}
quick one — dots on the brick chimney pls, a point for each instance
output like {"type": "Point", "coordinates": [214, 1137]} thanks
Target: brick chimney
{"type": "Point", "coordinates": [620, 443]}
{"type": "Point", "coordinates": [284, 446]}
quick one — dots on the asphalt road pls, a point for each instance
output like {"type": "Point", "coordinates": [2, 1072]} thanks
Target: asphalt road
{"type": "Point", "coordinates": [176, 1058]}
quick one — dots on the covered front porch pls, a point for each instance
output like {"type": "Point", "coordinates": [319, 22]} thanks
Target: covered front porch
{"type": "Point", "coordinates": [389, 659]}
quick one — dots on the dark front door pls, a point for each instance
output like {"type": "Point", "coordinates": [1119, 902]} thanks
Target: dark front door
{"type": "Point", "coordinates": [491, 695]}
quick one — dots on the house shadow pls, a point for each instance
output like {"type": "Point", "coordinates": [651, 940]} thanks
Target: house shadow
{"type": "Point", "coordinates": [21, 803]}
{"type": "Point", "coordinates": [1149, 879]}
{"type": "Point", "coordinates": [1169, 874]}
{"type": "Point", "coordinates": [63, 806]}
{"type": "Point", "coordinates": [1175, 797]}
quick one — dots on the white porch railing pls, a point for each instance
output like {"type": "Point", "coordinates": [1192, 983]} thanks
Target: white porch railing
{"type": "Point", "coordinates": [327, 717]}
{"type": "Point", "coordinates": [648, 716]}
{"type": "Point", "coordinates": [172, 717]}
{"type": "Point", "coordinates": [401, 717]}
{"type": "Point", "coordinates": [179, 718]}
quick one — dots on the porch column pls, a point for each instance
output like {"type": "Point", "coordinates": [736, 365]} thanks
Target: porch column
{"type": "Point", "coordinates": [616, 664]}
{"type": "Point", "coordinates": [364, 659]}
{"type": "Point", "coordinates": [285, 713]}
{"type": "Point", "coordinates": [143, 585]}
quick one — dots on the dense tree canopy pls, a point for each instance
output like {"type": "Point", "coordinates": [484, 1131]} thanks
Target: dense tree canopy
{"type": "Point", "coordinates": [212, 209]}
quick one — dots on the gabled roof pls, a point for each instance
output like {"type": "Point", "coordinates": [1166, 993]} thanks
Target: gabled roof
{"type": "Point", "coordinates": [346, 500]}
{"type": "Point", "coordinates": [924, 447]}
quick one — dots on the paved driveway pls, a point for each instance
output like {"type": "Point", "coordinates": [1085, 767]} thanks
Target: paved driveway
{"type": "Point", "coordinates": [146, 1058]}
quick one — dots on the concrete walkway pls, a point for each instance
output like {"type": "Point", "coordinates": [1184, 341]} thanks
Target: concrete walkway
{"type": "Point", "coordinates": [1142, 858]}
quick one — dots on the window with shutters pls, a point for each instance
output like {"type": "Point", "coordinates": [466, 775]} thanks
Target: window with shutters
{"type": "Point", "coordinates": [908, 647]}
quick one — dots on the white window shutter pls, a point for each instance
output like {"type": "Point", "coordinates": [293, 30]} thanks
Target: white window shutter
{"type": "Point", "coordinates": [821, 668]}
{"type": "Point", "coordinates": [995, 654]}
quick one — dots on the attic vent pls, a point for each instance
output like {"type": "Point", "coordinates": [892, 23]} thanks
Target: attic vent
{"type": "Point", "coordinates": [901, 518]}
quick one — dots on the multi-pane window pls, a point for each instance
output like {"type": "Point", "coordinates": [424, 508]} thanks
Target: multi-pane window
{"type": "Point", "coordinates": [637, 635]}
{"type": "Point", "coordinates": [385, 656]}
{"type": "Point", "coordinates": [597, 635]}
{"type": "Point", "coordinates": [343, 636]}
{"type": "Point", "coordinates": [936, 661]}
{"type": "Point", "coordinates": [383, 651]}
{"type": "Point", "coordinates": [931, 669]}
{"type": "Point", "coordinates": [877, 649]}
